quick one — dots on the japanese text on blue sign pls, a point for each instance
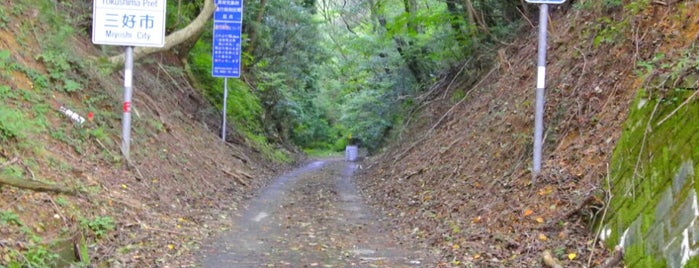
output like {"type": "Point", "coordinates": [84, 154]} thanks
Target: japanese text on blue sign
{"type": "Point", "coordinates": [228, 26]}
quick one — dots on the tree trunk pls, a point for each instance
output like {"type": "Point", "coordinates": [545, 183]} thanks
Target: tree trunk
{"type": "Point", "coordinates": [403, 47]}
{"type": "Point", "coordinates": [410, 56]}
{"type": "Point", "coordinates": [253, 29]}
{"type": "Point", "coordinates": [194, 29]}
{"type": "Point", "coordinates": [252, 32]}
{"type": "Point", "coordinates": [410, 59]}
{"type": "Point", "coordinates": [474, 17]}
{"type": "Point", "coordinates": [456, 24]}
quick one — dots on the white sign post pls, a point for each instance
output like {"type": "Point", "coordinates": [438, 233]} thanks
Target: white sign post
{"type": "Point", "coordinates": [128, 23]}
{"type": "Point", "coordinates": [541, 82]}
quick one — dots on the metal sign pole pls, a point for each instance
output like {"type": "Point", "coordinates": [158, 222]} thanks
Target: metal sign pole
{"type": "Point", "coordinates": [541, 82]}
{"type": "Point", "coordinates": [128, 89]}
{"type": "Point", "coordinates": [225, 111]}
{"type": "Point", "coordinates": [540, 86]}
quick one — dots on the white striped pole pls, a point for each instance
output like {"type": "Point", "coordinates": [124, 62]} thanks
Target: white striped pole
{"type": "Point", "coordinates": [128, 89]}
{"type": "Point", "coordinates": [540, 86]}
{"type": "Point", "coordinates": [225, 111]}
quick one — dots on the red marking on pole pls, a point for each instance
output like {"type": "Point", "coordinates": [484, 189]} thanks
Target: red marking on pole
{"type": "Point", "coordinates": [127, 106]}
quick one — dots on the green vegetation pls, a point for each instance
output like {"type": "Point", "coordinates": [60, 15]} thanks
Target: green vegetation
{"type": "Point", "coordinates": [28, 97]}
{"type": "Point", "coordinates": [13, 125]}
{"type": "Point", "coordinates": [37, 254]}
{"type": "Point", "coordinates": [99, 225]}
{"type": "Point", "coordinates": [611, 29]}
{"type": "Point", "coordinates": [4, 19]}
{"type": "Point", "coordinates": [9, 217]}
{"type": "Point", "coordinates": [314, 73]}
{"type": "Point", "coordinates": [243, 107]}
{"type": "Point", "coordinates": [5, 64]}
{"type": "Point", "coordinates": [322, 153]}
{"type": "Point", "coordinates": [318, 72]}
{"type": "Point", "coordinates": [59, 66]}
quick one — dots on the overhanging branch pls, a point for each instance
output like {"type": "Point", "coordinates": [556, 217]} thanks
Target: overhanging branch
{"type": "Point", "coordinates": [174, 38]}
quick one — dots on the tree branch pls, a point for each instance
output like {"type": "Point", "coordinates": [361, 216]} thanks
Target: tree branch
{"type": "Point", "coordinates": [30, 184]}
{"type": "Point", "coordinates": [35, 185]}
{"type": "Point", "coordinates": [173, 39]}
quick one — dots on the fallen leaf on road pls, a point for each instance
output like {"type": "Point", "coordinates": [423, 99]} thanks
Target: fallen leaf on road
{"type": "Point", "coordinates": [528, 212]}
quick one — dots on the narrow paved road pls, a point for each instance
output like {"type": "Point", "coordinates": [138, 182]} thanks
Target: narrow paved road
{"type": "Point", "coordinates": [311, 217]}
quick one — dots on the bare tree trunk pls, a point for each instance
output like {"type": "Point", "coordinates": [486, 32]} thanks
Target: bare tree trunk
{"type": "Point", "coordinates": [405, 48]}
{"type": "Point", "coordinates": [193, 29]}
{"type": "Point", "coordinates": [474, 17]}
{"type": "Point", "coordinates": [456, 24]}
{"type": "Point", "coordinates": [253, 28]}
{"type": "Point", "coordinates": [524, 6]}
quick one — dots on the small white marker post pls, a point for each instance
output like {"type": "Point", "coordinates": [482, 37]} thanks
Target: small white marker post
{"type": "Point", "coordinates": [541, 82]}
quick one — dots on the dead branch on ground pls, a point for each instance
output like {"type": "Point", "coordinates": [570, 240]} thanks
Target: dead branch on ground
{"type": "Point", "coordinates": [31, 184]}
{"type": "Point", "coordinates": [236, 177]}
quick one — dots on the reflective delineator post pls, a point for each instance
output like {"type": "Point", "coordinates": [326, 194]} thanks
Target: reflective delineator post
{"type": "Point", "coordinates": [128, 89]}
{"type": "Point", "coordinates": [225, 111]}
{"type": "Point", "coordinates": [540, 86]}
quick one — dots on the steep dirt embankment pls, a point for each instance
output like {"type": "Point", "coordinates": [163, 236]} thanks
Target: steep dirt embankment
{"type": "Point", "coordinates": [184, 180]}
{"type": "Point", "coordinates": [462, 183]}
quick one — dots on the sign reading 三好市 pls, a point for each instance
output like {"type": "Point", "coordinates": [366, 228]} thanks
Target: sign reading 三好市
{"type": "Point", "coordinates": [554, 2]}
{"type": "Point", "coordinates": [129, 22]}
{"type": "Point", "coordinates": [228, 26]}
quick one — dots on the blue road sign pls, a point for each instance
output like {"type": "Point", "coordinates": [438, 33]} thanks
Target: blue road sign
{"type": "Point", "coordinates": [228, 27]}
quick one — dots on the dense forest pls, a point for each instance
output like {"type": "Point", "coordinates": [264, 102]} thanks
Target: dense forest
{"type": "Point", "coordinates": [316, 72]}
